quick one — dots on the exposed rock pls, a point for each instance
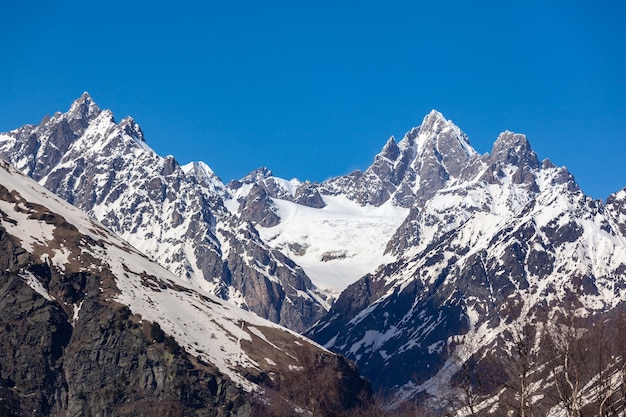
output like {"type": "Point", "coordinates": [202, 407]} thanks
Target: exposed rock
{"type": "Point", "coordinates": [308, 195]}
{"type": "Point", "coordinates": [274, 284]}
{"type": "Point", "coordinates": [259, 208]}
{"type": "Point", "coordinates": [412, 171]}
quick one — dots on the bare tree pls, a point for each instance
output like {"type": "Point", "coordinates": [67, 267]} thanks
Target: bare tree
{"type": "Point", "coordinates": [568, 361]}
{"type": "Point", "coordinates": [470, 379]}
{"type": "Point", "coordinates": [519, 367]}
{"type": "Point", "coordinates": [617, 404]}
{"type": "Point", "coordinates": [603, 367]}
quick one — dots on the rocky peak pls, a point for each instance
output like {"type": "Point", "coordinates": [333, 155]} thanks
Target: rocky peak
{"type": "Point", "coordinates": [385, 163]}
{"type": "Point", "coordinates": [258, 207]}
{"type": "Point", "coordinates": [436, 127]}
{"type": "Point", "coordinates": [200, 171]}
{"type": "Point", "coordinates": [434, 122]}
{"type": "Point", "coordinates": [84, 105]}
{"type": "Point", "coordinates": [514, 149]}
{"type": "Point", "coordinates": [442, 152]}
{"type": "Point", "coordinates": [257, 175]}
{"type": "Point", "coordinates": [390, 150]}
{"type": "Point", "coordinates": [412, 170]}
{"type": "Point", "coordinates": [616, 206]}
{"type": "Point", "coordinates": [308, 195]}
{"type": "Point", "coordinates": [170, 165]}
{"type": "Point", "coordinates": [82, 111]}
{"type": "Point", "coordinates": [132, 129]}
{"type": "Point", "coordinates": [204, 175]}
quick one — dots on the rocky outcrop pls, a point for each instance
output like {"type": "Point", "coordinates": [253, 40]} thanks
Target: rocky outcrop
{"type": "Point", "coordinates": [616, 208]}
{"type": "Point", "coordinates": [307, 194]}
{"type": "Point", "coordinates": [275, 287]}
{"type": "Point", "coordinates": [258, 208]}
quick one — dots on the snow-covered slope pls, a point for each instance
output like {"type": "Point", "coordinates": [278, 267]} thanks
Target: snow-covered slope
{"type": "Point", "coordinates": [206, 326]}
{"type": "Point", "coordinates": [81, 269]}
{"type": "Point", "coordinates": [334, 239]}
{"type": "Point", "coordinates": [336, 244]}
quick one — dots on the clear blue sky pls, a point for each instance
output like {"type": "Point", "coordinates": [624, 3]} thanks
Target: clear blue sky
{"type": "Point", "coordinates": [314, 89]}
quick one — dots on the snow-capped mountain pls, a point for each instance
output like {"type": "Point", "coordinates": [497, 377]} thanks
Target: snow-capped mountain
{"type": "Point", "coordinates": [505, 241]}
{"type": "Point", "coordinates": [409, 172]}
{"type": "Point", "coordinates": [174, 214]}
{"type": "Point", "coordinates": [91, 326]}
{"type": "Point", "coordinates": [338, 230]}
{"type": "Point", "coordinates": [191, 223]}
{"type": "Point", "coordinates": [440, 257]}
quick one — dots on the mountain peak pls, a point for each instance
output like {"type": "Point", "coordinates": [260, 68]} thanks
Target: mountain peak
{"type": "Point", "coordinates": [436, 114]}
{"type": "Point", "coordinates": [257, 175]}
{"type": "Point", "coordinates": [82, 110]}
{"type": "Point", "coordinates": [84, 103]}
{"type": "Point", "coordinates": [513, 148]}
{"type": "Point", "coordinates": [434, 121]}
{"type": "Point", "coordinates": [132, 128]}
{"type": "Point", "coordinates": [433, 125]}
{"type": "Point", "coordinates": [390, 150]}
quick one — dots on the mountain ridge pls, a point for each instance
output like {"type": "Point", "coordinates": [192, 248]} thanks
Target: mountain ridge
{"type": "Point", "coordinates": [109, 171]}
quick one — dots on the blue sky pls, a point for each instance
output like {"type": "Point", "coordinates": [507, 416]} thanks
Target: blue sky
{"type": "Point", "coordinates": [314, 89]}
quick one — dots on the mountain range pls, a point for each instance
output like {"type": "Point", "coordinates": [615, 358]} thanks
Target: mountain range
{"type": "Point", "coordinates": [433, 263]}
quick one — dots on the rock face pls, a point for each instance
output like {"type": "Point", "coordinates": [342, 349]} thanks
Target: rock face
{"type": "Point", "coordinates": [105, 365]}
{"type": "Point", "coordinates": [258, 208]}
{"type": "Point", "coordinates": [90, 326]}
{"type": "Point", "coordinates": [616, 209]}
{"type": "Point", "coordinates": [174, 214]}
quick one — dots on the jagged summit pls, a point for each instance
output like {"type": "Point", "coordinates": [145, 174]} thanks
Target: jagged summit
{"type": "Point", "coordinates": [390, 150]}
{"type": "Point", "coordinates": [257, 175]}
{"type": "Point", "coordinates": [514, 148]}
{"type": "Point", "coordinates": [132, 128]}
{"type": "Point", "coordinates": [84, 108]}
{"type": "Point", "coordinates": [489, 243]}
{"type": "Point", "coordinates": [174, 214]}
{"type": "Point", "coordinates": [434, 126]}
{"type": "Point", "coordinates": [434, 121]}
